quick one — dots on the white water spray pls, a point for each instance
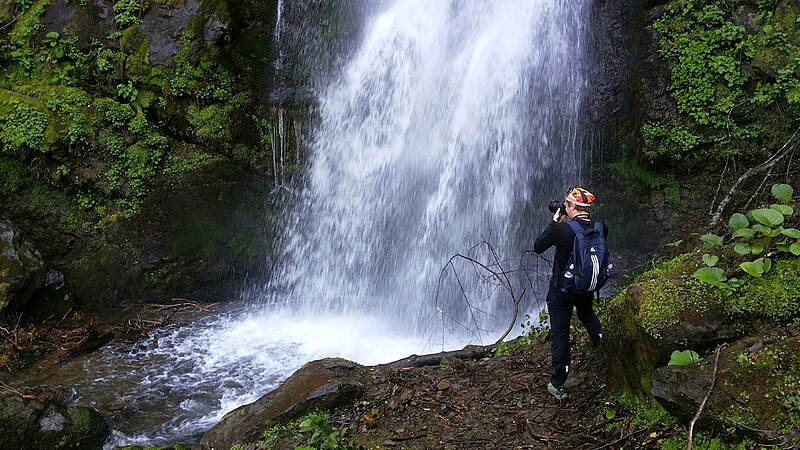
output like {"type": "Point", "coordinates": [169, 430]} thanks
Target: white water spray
{"type": "Point", "coordinates": [434, 137]}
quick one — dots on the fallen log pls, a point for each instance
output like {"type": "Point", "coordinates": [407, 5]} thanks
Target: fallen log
{"type": "Point", "coordinates": [434, 359]}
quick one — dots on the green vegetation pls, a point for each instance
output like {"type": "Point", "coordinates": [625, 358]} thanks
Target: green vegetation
{"type": "Point", "coordinates": [310, 432]}
{"type": "Point", "coordinates": [735, 81]}
{"type": "Point", "coordinates": [765, 239]}
{"type": "Point", "coordinates": [770, 373]}
{"type": "Point", "coordinates": [702, 442]}
{"type": "Point", "coordinates": [100, 124]}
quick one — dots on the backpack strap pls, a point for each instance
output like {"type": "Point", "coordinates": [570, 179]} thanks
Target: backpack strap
{"type": "Point", "coordinates": [577, 229]}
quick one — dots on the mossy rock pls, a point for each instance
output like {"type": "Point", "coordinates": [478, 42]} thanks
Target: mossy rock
{"type": "Point", "coordinates": [757, 388]}
{"type": "Point", "coordinates": [666, 309]}
{"type": "Point", "coordinates": [31, 424]}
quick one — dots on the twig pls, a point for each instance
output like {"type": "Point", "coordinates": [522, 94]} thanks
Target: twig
{"type": "Point", "coordinates": [771, 161]}
{"type": "Point", "coordinates": [14, 391]}
{"type": "Point", "coordinates": [705, 399]}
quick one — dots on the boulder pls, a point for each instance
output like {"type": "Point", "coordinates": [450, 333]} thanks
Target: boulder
{"type": "Point", "coordinates": [319, 385]}
{"type": "Point", "coordinates": [665, 310]}
{"type": "Point", "coordinates": [22, 271]}
{"type": "Point", "coordinates": [755, 392]}
{"type": "Point", "coordinates": [31, 424]}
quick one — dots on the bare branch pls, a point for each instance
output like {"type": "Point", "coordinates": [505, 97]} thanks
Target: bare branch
{"type": "Point", "coordinates": [766, 165]}
{"type": "Point", "coordinates": [705, 399]}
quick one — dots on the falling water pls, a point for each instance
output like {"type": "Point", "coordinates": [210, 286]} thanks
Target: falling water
{"type": "Point", "coordinates": [447, 122]}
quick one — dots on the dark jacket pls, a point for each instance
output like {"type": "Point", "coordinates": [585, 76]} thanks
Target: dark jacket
{"type": "Point", "coordinates": [562, 236]}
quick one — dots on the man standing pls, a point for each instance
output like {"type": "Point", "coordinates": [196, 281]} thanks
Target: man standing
{"type": "Point", "coordinates": [561, 234]}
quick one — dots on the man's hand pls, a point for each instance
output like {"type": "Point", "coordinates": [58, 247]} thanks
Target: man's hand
{"type": "Point", "coordinates": [557, 217]}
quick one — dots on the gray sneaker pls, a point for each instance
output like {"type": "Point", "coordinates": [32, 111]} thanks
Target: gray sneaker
{"type": "Point", "coordinates": [558, 393]}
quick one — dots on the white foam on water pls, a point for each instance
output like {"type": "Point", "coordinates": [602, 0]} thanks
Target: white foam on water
{"type": "Point", "coordinates": [180, 381]}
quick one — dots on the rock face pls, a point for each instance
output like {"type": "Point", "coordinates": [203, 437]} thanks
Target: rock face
{"type": "Point", "coordinates": [33, 425]}
{"type": "Point", "coordinates": [322, 384]}
{"type": "Point", "coordinates": [22, 271]}
{"type": "Point", "coordinates": [755, 386]}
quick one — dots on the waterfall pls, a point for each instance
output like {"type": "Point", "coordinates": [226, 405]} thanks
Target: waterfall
{"type": "Point", "coordinates": [445, 124]}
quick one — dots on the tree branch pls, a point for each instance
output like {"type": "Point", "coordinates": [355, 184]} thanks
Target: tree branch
{"type": "Point", "coordinates": [705, 399]}
{"type": "Point", "coordinates": [766, 165]}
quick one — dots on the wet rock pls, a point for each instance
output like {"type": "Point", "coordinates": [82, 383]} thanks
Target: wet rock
{"type": "Point", "coordinates": [22, 271]}
{"type": "Point", "coordinates": [92, 21]}
{"type": "Point", "coordinates": [754, 389]}
{"type": "Point", "coordinates": [33, 425]}
{"type": "Point", "coordinates": [164, 25]}
{"type": "Point", "coordinates": [323, 385]}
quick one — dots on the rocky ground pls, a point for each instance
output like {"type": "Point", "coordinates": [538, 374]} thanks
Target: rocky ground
{"type": "Point", "coordinates": [494, 403]}
{"type": "Point", "coordinates": [488, 403]}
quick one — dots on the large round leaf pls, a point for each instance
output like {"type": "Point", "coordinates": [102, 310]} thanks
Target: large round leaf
{"type": "Point", "coordinates": [754, 268]}
{"type": "Point", "coordinates": [742, 248]}
{"type": "Point", "coordinates": [711, 275]}
{"type": "Point", "coordinates": [683, 358]}
{"type": "Point", "coordinates": [710, 260]}
{"type": "Point", "coordinates": [786, 210]}
{"type": "Point", "coordinates": [792, 233]}
{"type": "Point", "coordinates": [768, 217]}
{"type": "Point", "coordinates": [712, 240]}
{"type": "Point", "coordinates": [738, 221]}
{"type": "Point", "coordinates": [782, 192]}
{"type": "Point", "coordinates": [744, 232]}
{"type": "Point", "coordinates": [795, 249]}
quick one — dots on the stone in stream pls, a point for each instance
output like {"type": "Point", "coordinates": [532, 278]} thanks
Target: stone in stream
{"type": "Point", "coordinates": [319, 385]}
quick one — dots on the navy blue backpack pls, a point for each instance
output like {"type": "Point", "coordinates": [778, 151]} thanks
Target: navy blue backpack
{"type": "Point", "coordinates": [588, 268]}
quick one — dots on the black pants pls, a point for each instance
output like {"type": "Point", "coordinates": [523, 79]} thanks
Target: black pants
{"type": "Point", "coordinates": [559, 307]}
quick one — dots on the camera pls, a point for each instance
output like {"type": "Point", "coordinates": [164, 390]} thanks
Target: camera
{"type": "Point", "coordinates": [556, 205]}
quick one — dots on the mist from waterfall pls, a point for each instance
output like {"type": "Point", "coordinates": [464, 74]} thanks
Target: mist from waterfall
{"type": "Point", "coordinates": [445, 124]}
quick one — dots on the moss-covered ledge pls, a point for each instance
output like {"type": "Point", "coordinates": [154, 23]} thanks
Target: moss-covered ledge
{"type": "Point", "coordinates": [664, 310]}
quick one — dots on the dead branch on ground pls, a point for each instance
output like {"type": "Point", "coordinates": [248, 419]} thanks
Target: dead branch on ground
{"type": "Point", "coordinates": [705, 399]}
{"type": "Point", "coordinates": [472, 352]}
{"type": "Point", "coordinates": [168, 311]}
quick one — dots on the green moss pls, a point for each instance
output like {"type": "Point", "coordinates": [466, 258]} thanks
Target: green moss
{"type": "Point", "coordinates": [12, 174]}
{"type": "Point", "coordinates": [28, 24]}
{"type": "Point", "coordinates": [701, 441]}
{"type": "Point", "coordinates": [770, 376]}
{"type": "Point", "coordinates": [646, 412]}
{"type": "Point", "coordinates": [775, 295]}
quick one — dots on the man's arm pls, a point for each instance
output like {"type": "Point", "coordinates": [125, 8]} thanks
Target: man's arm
{"type": "Point", "coordinates": [547, 239]}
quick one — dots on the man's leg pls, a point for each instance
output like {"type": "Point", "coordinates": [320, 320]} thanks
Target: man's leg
{"type": "Point", "coordinates": [583, 304]}
{"type": "Point", "coordinates": [560, 309]}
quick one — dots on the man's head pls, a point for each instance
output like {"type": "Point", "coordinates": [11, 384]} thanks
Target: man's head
{"type": "Point", "coordinates": [578, 201]}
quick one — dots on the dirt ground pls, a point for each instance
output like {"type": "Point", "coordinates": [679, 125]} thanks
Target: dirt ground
{"type": "Point", "coordinates": [494, 403]}
{"type": "Point", "coordinates": [490, 403]}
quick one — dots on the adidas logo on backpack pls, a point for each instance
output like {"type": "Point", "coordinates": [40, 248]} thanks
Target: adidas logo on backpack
{"type": "Point", "coordinates": [588, 268]}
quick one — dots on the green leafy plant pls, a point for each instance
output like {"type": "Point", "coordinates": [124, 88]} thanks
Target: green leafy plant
{"type": "Point", "coordinates": [126, 13]}
{"type": "Point", "coordinates": [684, 358]}
{"type": "Point", "coordinates": [310, 432]}
{"type": "Point", "coordinates": [760, 233]}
